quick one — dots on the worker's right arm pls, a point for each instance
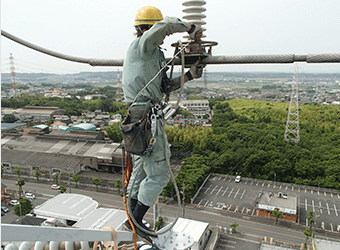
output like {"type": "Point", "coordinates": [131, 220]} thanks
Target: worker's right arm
{"type": "Point", "coordinates": [154, 37]}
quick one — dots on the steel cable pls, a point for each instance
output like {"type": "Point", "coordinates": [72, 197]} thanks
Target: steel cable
{"type": "Point", "coordinates": [238, 59]}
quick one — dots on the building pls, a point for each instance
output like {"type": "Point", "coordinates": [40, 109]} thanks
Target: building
{"type": "Point", "coordinates": [39, 113]}
{"type": "Point", "coordinates": [90, 97]}
{"type": "Point", "coordinates": [82, 212]}
{"type": "Point", "coordinates": [197, 229]}
{"type": "Point", "coordinates": [322, 244]}
{"type": "Point", "coordinates": [286, 204]}
{"type": "Point", "coordinates": [199, 108]}
{"type": "Point", "coordinates": [64, 152]}
{"type": "Point", "coordinates": [12, 127]}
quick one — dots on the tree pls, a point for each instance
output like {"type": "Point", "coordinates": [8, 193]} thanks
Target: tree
{"type": "Point", "coordinates": [277, 214]}
{"type": "Point", "coordinates": [37, 173]}
{"type": "Point", "coordinates": [20, 183]}
{"type": "Point", "coordinates": [49, 123]}
{"type": "Point", "coordinates": [62, 189]}
{"type": "Point", "coordinates": [55, 176]}
{"type": "Point", "coordinates": [308, 232]}
{"type": "Point", "coordinates": [18, 172]}
{"type": "Point", "coordinates": [159, 223]}
{"type": "Point", "coordinates": [118, 184]}
{"type": "Point", "coordinates": [311, 219]}
{"type": "Point", "coordinates": [23, 208]}
{"type": "Point", "coordinates": [96, 181]}
{"type": "Point", "coordinates": [76, 179]}
{"type": "Point", "coordinates": [9, 118]}
{"type": "Point", "coordinates": [114, 133]}
{"type": "Point", "coordinates": [233, 226]}
{"type": "Point", "coordinates": [186, 113]}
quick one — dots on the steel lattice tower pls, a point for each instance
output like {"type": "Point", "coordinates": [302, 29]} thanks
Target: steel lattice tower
{"type": "Point", "coordinates": [14, 85]}
{"type": "Point", "coordinates": [292, 132]}
{"type": "Point", "coordinates": [205, 78]}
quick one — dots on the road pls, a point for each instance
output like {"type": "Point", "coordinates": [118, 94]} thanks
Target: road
{"type": "Point", "coordinates": [246, 227]}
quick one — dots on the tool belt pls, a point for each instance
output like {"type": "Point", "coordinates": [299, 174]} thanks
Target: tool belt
{"type": "Point", "coordinates": [136, 129]}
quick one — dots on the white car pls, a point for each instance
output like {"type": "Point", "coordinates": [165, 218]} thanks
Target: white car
{"type": "Point", "coordinates": [54, 186]}
{"type": "Point", "coordinates": [14, 202]}
{"type": "Point", "coordinates": [30, 196]}
{"type": "Point", "coordinates": [238, 178]}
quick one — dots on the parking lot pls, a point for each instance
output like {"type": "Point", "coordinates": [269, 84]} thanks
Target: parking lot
{"type": "Point", "coordinates": [221, 192]}
{"type": "Point", "coordinates": [10, 217]}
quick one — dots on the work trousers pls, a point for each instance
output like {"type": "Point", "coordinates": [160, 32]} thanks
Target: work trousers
{"type": "Point", "coordinates": [150, 174]}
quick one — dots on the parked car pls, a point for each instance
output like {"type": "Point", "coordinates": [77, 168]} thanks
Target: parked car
{"type": "Point", "coordinates": [238, 178]}
{"type": "Point", "coordinates": [4, 209]}
{"type": "Point", "coordinates": [54, 186]}
{"type": "Point", "coordinates": [2, 213]}
{"type": "Point", "coordinates": [14, 202]}
{"type": "Point", "coordinates": [30, 196]}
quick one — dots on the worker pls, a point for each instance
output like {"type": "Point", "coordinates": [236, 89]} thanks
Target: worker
{"type": "Point", "coordinates": [143, 61]}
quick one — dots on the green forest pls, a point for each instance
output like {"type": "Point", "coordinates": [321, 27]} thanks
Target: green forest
{"type": "Point", "coordinates": [73, 106]}
{"type": "Point", "coordinates": [247, 138]}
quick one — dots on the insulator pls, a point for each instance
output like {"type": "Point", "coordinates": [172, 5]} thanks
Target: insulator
{"type": "Point", "coordinates": [194, 13]}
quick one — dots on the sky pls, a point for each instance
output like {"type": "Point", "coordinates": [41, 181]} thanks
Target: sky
{"type": "Point", "coordinates": [104, 29]}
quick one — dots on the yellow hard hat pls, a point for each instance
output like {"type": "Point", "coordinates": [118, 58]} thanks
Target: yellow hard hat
{"type": "Point", "coordinates": [148, 15]}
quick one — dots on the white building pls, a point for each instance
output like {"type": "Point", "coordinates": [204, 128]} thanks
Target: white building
{"type": "Point", "coordinates": [197, 229]}
{"type": "Point", "coordinates": [196, 107]}
{"type": "Point", "coordinates": [81, 211]}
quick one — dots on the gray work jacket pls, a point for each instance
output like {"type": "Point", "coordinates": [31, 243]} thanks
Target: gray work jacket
{"type": "Point", "coordinates": [144, 59]}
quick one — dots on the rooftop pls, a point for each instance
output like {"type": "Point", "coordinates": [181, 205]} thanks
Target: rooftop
{"type": "Point", "coordinates": [72, 146]}
{"type": "Point", "coordinates": [67, 206]}
{"type": "Point", "coordinates": [270, 201]}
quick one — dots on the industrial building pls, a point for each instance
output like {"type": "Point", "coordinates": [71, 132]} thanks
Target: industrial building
{"type": "Point", "coordinates": [63, 152]}
{"type": "Point", "coordinates": [80, 211]}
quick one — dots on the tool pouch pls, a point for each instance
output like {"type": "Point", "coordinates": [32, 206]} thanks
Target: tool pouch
{"type": "Point", "coordinates": [136, 129]}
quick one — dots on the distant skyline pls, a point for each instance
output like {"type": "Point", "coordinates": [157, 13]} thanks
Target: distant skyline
{"type": "Point", "coordinates": [104, 29]}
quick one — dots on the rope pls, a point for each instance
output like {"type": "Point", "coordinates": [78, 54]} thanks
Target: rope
{"type": "Point", "coordinates": [127, 176]}
{"type": "Point", "coordinates": [160, 71]}
{"type": "Point", "coordinates": [114, 236]}
{"type": "Point", "coordinates": [182, 78]}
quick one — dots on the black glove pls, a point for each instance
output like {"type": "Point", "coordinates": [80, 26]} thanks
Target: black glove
{"type": "Point", "coordinates": [195, 32]}
{"type": "Point", "coordinates": [195, 71]}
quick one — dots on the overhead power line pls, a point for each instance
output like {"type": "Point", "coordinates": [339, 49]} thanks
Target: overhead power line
{"type": "Point", "coordinates": [243, 59]}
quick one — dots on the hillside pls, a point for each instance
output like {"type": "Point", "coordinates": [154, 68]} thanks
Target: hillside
{"type": "Point", "coordinates": [248, 139]}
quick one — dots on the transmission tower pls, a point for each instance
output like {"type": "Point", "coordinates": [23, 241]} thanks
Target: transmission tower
{"type": "Point", "coordinates": [119, 91]}
{"type": "Point", "coordinates": [118, 77]}
{"type": "Point", "coordinates": [205, 78]}
{"type": "Point", "coordinates": [292, 132]}
{"type": "Point", "coordinates": [14, 85]}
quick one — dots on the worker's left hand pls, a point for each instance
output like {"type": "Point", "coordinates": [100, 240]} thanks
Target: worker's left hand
{"type": "Point", "coordinates": [195, 32]}
{"type": "Point", "coordinates": [196, 70]}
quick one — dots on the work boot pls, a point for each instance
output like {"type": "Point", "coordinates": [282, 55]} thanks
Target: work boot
{"type": "Point", "coordinates": [138, 213]}
{"type": "Point", "coordinates": [133, 203]}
